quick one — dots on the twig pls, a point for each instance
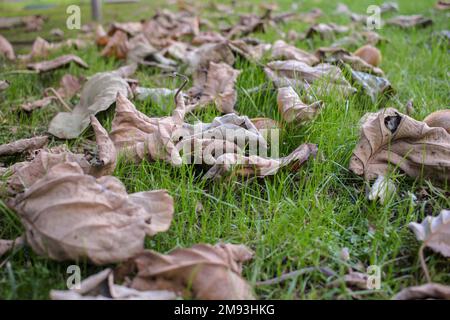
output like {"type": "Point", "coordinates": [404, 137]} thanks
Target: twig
{"type": "Point", "coordinates": [185, 82]}
{"type": "Point", "coordinates": [424, 264]}
{"type": "Point", "coordinates": [326, 271]}
{"type": "Point", "coordinates": [65, 105]}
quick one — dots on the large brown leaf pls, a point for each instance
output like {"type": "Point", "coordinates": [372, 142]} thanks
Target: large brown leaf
{"type": "Point", "coordinates": [69, 215]}
{"type": "Point", "coordinates": [434, 232]}
{"type": "Point", "coordinates": [62, 61]}
{"type": "Point", "coordinates": [390, 139]}
{"type": "Point", "coordinates": [293, 109]}
{"type": "Point", "coordinates": [208, 272]}
{"type": "Point", "coordinates": [410, 21]}
{"type": "Point", "coordinates": [98, 94]}
{"type": "Point", "coordinates": [440, 118]}
{"type": "Point", "coordinates": [6, 49]}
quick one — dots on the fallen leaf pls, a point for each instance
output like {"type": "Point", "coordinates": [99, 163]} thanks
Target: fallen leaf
{"type": "Point", "coordinates": [6, 49]}
{"type": "Point", "coordinates": [442, 5]}
{"type": "Point", "coordinates": [23, 145]}
{"type": "Point", "coordinates": [412, 21]}
{"type": "Point", "coordinates": [298, 74]}
{"type": "Point", "coordinates": [390, 139]}
{"type": "Point", "coordinates": [439, 118]}
{"type": "Point", "coordinates": [283, 51]}
{"type": "Point", "coordinates": [4, 84]}
{"type": "Point", "coordinates": [425, 291]}
{"type": "Point", "coordinates": [8, 245]}
{"type": "Point", "coordinates": [98, 94]}
{"type": "Point", "coordinates": [434, 232]}
{"type": "Point", "coordinates": [199, 60]}
{"type": "Point", "coordinates": [375, 87]}
{"type": "Point", "coordinates": [325, 30]}
{"type": "Point", "coordinates": [101, 286]}
{"type": "Point", "coordinates": [117, 46]}
{"type": "Point", "coordinates": [369, 54]}
{"type": "Point", "coordinates": [69, 215]}
{"type": "Point", "coordinates": [105, 161]}
{"type": "Point", "coordinates": [293, 109]}
{"type": "Point", "coordinates": [382, 189]}
{"type": "Point", "coordinates": [219, 87]}
{"type": "Point", "coordinates": [57, 63]}
{"type": "Point", "coordinates": [256, 166]}
{"type": "Point", "coordinates": [130, 28]}
{"type": "Point", "coordinates": [202, 271]}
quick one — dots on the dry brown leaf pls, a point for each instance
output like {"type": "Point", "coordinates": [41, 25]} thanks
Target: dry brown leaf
{"type": "Point", "coordinates": [256, 166]}
{"type": "Point", "coordinates": [375, 87]}
{"type": "Point", "coordinates": [219, 87]}
{"type": "Point", "coordinates": [62, 61]}
{"type": "Point", "coordinates": [434, 232]}
{"type": "Point", "coordinates": [325, 30]}
{"type": "Point", "coordinates": [117, 46]}
{"type": "Point", "coordinates": [390, 139]}
{"type": "Point", "coordinates": [439, 118]}
{"type": "Point", "coordinates": [413, 21]}
{"type": "Point", "coordinates": [69, 215]}
{"type": "Point", "coordinates": [265, 123]}
{"type": "Point", "coordinates": [23, 145]}
{"type": "Point", "coordinates": [105, 161]}
{"type": "Point", "coordinates": [8, 245]}
{"type": "Point", "coordinates": [283, 51]}
{"type": "Point", "coordinates": [202, 271]}
{"type": "Point", "coordinates": [131, 28]}
{"type": "Point", "coordinates": [98, 94]}
{"type": "Point", "coordinates": [34, 23]}
{"type": "Point", "coordinates": [298, 74]}
{"type": "Point", "coordinates": [199, 59]}
{"type": "Point", "coordinates": [293, 109]}
{"type": "Point", "coordinates": [101, 37]}
{"type": "Point", "coordinates": [101, 286]}
{"type": "Point", "coordinates": [369, 54]}
{"type": "Point", "coordinates": [4, 84]}
{"type": "Point", "coordinates": [425, 291]}
{"type": "Point", "coordinates": [6, 49]}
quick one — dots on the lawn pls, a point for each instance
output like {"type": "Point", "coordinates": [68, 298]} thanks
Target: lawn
{"type": "Point", "coordinates": [292, 220]}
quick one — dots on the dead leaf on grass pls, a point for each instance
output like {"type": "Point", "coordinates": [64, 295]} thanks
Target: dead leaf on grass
{"type": "Point", "coordinates": [293, 109]}
{"type": "Point", "coordinates": [23, 145]}
{"type": "Point", "coordinates": [62, 61]}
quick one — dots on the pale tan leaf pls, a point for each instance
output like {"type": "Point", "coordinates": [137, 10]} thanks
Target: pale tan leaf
{"type": "Point", "coordinates": [6, 49]}
{"type": "Point", "coordinates": [105, 161]}
{"type": "Point", "coordinates": [23, 145]}
{"type": "Point", "coordinates": [208, 272]}
{"type": "Point", "coordinates": [69, 215]}
{"type": "Point", "coordinates": [62, 61]}
{"type": "Point", "coordinates": [439, 118]}
{"type": "Point", "coordinates": [390, 139]}
{"type": "Point", "coordinates": [283, 51]}
{"type": "Point", "coordinates": [412, 21]}
{"type": "Point", "coordinates": [425, 291]}
{"type": "Point", "coordinates": [98, 94]}
{"type": "Point", "coordinates": [434, 232]}
{"type": "Point", "coordinates": [293, 109]}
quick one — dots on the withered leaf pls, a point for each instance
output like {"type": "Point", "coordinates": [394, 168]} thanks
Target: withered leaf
{"type": "Point", "coordinates": [219, 87]}
{"type": "Point", "coordinates": [69, 215]}
{"type": "Point", "coordinates": [7, 245]}
{"type": "Point", "coordinates": [98, 94]}
{"type": "Point", "coordinates": [199, 59]}
{"type": "Point", "coordinates": [57, 63]}
{"type": "Point", "coordinates": [101, 286]}
{"type": "Point", "coordinates": [298, 74]}
{"type": "Point", "coordinates": [208, 272]}
{"type": "Point", "coordinates": [257, 166]}
{"type": "Point", "coordinates": [390, 139]}
{"type": "Point", "coordinates": [117, 45]}
{"type": "Point", "coordinates": [375, 87]}
{"type": "Point", "coordinates": [439, 118]}
{"type": "Point", "coordinates": [131, 28]}
{"type": "Point", "coordinates": [425, 291]}
{"type": "Point", "coordinates": [325, 30]}
{"type": "Point", "coordinates": [434, 232]}
{"type": "Point", "coordinates": [23, 145]}
{"type": "Point", "coordinates": [293, 109]}
{"type": "Point", "coordinates": [283, 51]}
{"type": "Point", "coordinates": [442, 5]}
{"type": "Point", "coordinates": [6, 49]}
{"type": "Point", "coordinates": [412, 21]}
{"type": "Point", "coordinates": [105, 161]}
{"type": "Point", "coordinates": [4, 84]}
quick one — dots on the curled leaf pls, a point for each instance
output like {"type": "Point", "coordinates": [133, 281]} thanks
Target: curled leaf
{"type": "Point", "coordinates": [208, 272]}
{"type": "Point", "coordinates": [98, 94]}
{"type": "Point", "coordinates": [23, 145]}
{"type": "Point", "coordinates": [69, 215]}
{"type": "Point", "coordinates": [375, 87]}
{"type": "Point", "coordinates": [439, 118]}
{"type": "Point", "coordinates": [413, 21]}
{"type": "Point", "coordinates": [57, 63]}
{"type": "Point", "coordinates": [390, 139]}
{"type": "Point", "coordinates": [6, 49]}
{"type": "Point", "coordinates": [101, 286]}
{"type": "Point", "coordinates": [283, 51]}
{"type": "Point", "coordinates": [426, 291]}
{"type": "Point", "coordinates": [293, 109]}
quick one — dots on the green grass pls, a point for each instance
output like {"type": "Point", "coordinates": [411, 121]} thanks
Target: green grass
{"type": "Point", "coordinates": [291, 220]}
